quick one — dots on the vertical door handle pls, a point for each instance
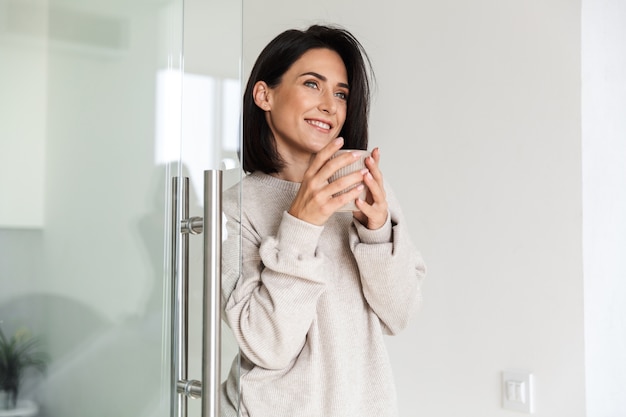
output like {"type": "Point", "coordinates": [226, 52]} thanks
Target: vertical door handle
{"type": "Point", "coordinates": [182, 226]}
{"type": "Point", "coordinates": [179, 297]}
{"type": "Point", "coordinates": [212, 307]}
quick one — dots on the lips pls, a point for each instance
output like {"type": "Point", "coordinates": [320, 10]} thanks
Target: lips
{"type": "Point", "coordinates": [319, 124]}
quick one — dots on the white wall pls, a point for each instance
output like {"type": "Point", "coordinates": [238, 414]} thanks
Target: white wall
{"type": "Point", "coordinates": [604, 203]}
{"type": "Point", "coordinates": [478, 118]}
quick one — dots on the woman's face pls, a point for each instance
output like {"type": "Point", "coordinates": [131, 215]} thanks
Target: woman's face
{"type": "Point", "coordinates": [308, 108]}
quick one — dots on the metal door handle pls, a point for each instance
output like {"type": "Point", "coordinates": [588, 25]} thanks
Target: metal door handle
{"type": "Point", "coordinates": [212, 300]}
{"type": "Point", "coordinates": [179, 296]}
{"type": "Point", "coordinates": [182, 226]}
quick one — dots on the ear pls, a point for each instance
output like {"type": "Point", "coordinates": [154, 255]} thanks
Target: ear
{"type": "Point", "coordinates": [260, 93]}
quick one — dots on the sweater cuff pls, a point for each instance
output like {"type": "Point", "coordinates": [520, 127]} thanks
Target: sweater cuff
{"type": "Point", "coordinates": [380, 235]}
{"type": "Point", "coordinates": [295, 235]}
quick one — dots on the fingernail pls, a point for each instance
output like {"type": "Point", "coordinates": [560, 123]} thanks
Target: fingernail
{"type": "Point", "coordinates": [369, 175]}
{"type": "Point", "coordinates": [339, 140]}
{"type": "Point", "coordinates": [360, 187]}
{"type": "Point", "coordinates": [364, 171]}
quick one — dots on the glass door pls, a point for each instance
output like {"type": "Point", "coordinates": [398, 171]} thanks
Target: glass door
{"type": "Point", "coordinates": [97, 115]}
{"type": "Point", "coordinates": [210, 133]}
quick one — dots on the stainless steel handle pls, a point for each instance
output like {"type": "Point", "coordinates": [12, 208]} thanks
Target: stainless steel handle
{"type": "Point", "coordinates": [179, 295]}
{"type": "Point", "coordinates": [212, 327]}
{"type": "Point", "coordinates": [182, 226]}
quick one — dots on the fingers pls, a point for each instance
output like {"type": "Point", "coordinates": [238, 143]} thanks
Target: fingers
{"type": "Point", "coordinates": [347, 182]}
{"type": "Point", "coordinates": [344, 197]}
{"type": "Point", "coordinates": [315, 206]}
{"type": "Point", "coordinates": [374, 178]}
{"type": "Point", "coordinates": [324, 166]}
{"type": "Point", "coordinates": [373, 211]}
{"type": "Point", "coordinates": [317, 199]}
{"type": "Point", "coordinates": [324, 155]}
{"type": "Point", "coordinates": [373, 165]}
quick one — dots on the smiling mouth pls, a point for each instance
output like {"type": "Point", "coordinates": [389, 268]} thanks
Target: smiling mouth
{"type": "Point", "coordinates": [319, 124]}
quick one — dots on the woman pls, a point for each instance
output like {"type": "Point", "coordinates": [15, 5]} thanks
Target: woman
{"type": "Point", "coordinates": [319, 288]}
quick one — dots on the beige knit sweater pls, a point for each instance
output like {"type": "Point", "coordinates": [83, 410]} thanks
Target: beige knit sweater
{"type": "Point", "coordinates": [309, 305]}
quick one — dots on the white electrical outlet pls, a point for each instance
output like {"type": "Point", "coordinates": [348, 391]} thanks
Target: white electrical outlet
{"type": "Point", "coordinates": [517, 391]}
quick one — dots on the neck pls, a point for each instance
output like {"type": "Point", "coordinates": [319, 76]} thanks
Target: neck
{"type": "Point", "coordinates": [291, 173]}
{"type": "Point", "coordinates": [295, 166]}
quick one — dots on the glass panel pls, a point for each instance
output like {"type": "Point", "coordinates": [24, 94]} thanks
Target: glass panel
{"type": "Point", "coordinates": [84, 205]}
{"type": "Point", "coordinates": [210, 140]}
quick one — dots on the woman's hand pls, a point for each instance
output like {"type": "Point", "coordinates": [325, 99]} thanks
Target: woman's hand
{"type": "Point", "coordinates": [314, 202]}
{"type": "Point", "coordinates": [373, 211]}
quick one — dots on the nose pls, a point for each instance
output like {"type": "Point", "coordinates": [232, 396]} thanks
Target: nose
{"type": "Point", "coordinates": [328, 103]}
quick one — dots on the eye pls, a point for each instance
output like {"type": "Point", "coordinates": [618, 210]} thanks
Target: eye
{"type": "Point", "coordinates": [311, 84]}
{"type": "Point", "coordinates": [342, 95]}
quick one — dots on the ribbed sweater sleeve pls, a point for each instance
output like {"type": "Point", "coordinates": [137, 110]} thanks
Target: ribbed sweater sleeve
{"type": "Point", "coordinates": [391, 269]}
{"type": "Point", "coordinates": [273, 304]}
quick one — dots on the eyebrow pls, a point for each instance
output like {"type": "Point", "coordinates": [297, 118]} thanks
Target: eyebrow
{"type": "Point", "coordinates": [321, 77]}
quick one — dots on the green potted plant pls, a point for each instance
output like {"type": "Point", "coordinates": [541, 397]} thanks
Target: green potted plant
{"type": "Point", "coordinates": [18, 353]}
